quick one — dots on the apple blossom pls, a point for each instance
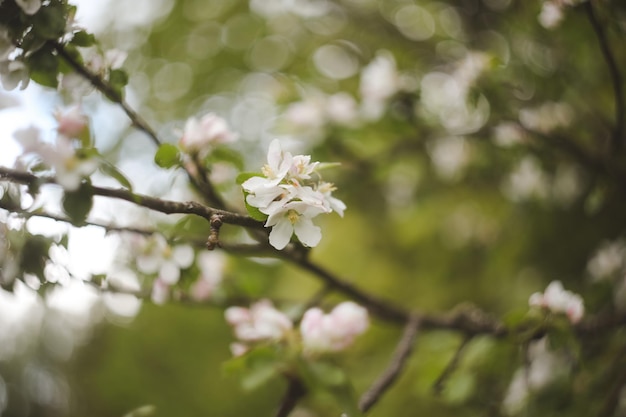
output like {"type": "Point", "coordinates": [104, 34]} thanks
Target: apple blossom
{"type": "Point", "coordinates": [334, 331]}
{"type": "Point", "coordinates": [69, 166]}
{"type": "Point", "coordinates": [211, 266]}
{"type": "Point", "coordinates": [157, 256]}
{"type": "Point", "coordinates": [558, 300]}
{"type": "Point", "coordinates": [261, 322]}
{"type": "Point", "coordinates": [291, 194]}
{"type": "Point", "coordinates": [72, 123]}
{"type": "Point", "coordinates": [199, 135]}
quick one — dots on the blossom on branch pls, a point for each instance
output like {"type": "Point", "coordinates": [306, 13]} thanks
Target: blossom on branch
{"type": "Point", "coordinates": [333, 331]}
{"type": "Point", "coordinates": [291, 193]}
{"type": "Point", "coordinates": [558, 300]}
{"type": "Point", "coordinates": [200, 135]}
{"type": "Point", "coordinates": [69, 164]}
{"type": "Point", "coordinates": [261, 322]}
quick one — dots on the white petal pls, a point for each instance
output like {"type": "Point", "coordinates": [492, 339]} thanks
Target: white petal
{"type": "Point", "coordinates": [281, 234]}
{"type": "Point", "coordinates": [309, 234]}
{"type": "Point", "coordinates": [183, 255]}
{"type": "Point", "coordinates": [148, 264]}
{"type": "Point", "coordinates": [169, 273]}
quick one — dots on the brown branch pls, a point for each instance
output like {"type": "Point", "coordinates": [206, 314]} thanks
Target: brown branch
{"type": "Point", "coordinates": [156, 204]}
{"type": "Point", "coordinates": [609, 58]}
{"type": "Point", "coordinates": [108, 227]}
{"type": "Point", "coordinates": [397, 365]}
{"type": "Point", "coordinates": [295, 392]}
{"type": "Point", "coordinates": [452, 365]}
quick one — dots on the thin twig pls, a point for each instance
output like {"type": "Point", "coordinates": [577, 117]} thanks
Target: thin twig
{"type": "Point", "coordinates": [451, 367]}
{"type": "Point", "coordinates": [108, 227]}
{"type": "Point", "coordinates": [397, 365]}
{"type": "Point", "coordinates": [156, 204]}
{"type": "Point", "coordinates": [609, 58]}
{"type": "Point", "coordinates": [108, 91]}
{"type": "Point", "coordinates": [295, 392]}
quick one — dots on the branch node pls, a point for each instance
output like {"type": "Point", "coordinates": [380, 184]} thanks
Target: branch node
{"type": "Point", "coordinates": [213, 240]}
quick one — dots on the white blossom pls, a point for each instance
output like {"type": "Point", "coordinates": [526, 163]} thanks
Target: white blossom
{"type": "Point", "coordinates": [14, 73]}
{"type": "Point", "coordinates": [334, 331]}
{"type": "Point", "coordinates": [157, 256]}
{"type": "Point", "coordinates": [558, 300]}
{"type": "Point", "coordinates": [72, 122]}
{"type": "Point", "coordinates": [200, 135]}
{"type": "Point", "coordinates": [211, 266]}
{"type": "Point", "coordinates": [294, 217]}
{"type": "Point", "coordinates": [70, 167]}
{"type": "Point", "coordinates": [291, 193]}
{"type": "Point", "coordinates": [379, 81]}
{"type": "Point", "coordinates": [261, 322]}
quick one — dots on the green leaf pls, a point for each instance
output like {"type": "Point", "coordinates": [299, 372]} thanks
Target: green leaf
{"type": "Point", "coordinates": [224, 154]}
{"type": "Point", "coordinates": [83, 38]}
{"type": "Point", "coordinates": [77, 204]}
{"type": "Point", "coordinates": [34, 255]}
{"type": "Point", "coordinates": [49, 22]}
{"type": "Point", "coordinates": [330, 379]}
{"type": "Point", "coordinates": [254, 212]}
{"type": "Point", "coordinates": [43, 66]}
{"type": "Point", "coordinates": [111, 170]}
{"type": "Point", "coordinates": [118, 78]}
{"type": "Point", "coordinates": [167, 156]}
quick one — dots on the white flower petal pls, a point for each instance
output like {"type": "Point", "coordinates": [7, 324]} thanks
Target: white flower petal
{"type": "Point", "coordinates": [169, 273]}
{"type": "Point", "coordinates": [309, 234]}
{"type": "Point", "coordinates": [183, 255]}
{"type": "Point", "coordinates": [281, 234]}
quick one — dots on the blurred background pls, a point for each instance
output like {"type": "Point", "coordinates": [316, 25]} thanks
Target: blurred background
{"type": "Point", "coordinates": [474, 141]}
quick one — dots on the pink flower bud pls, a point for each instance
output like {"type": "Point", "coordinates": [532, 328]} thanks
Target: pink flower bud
{"type": "Point", "coordinates": [334, 331]}
{"type": "Point", "coordinates": [261, 322]}
{"type": "Point", "coordinates": [72, 123]}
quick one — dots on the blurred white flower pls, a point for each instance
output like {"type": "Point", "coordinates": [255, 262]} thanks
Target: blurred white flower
{"type": "Point", "coordinates": [261, 322]}
{"type": "Point", "coordinates": [379, 81]}
{"type": "Point", "coordinates": [609, 260]}
{"type": "Point", "coordinates": [334, 331]}
{"type": "Point", "coordinates": [29, 6]}
{"type": "Point", "coordinates": [157, 256]}
{"type": "Point", "coordinates": [70, 168]}
{"type": "Point", "coordinates": [558, 300]}
{"type": "Point", "coordinates": [14, 73]}
{"type": "Point", "coordinates": [551, 14]}
{"type": "Point", "coordinates": [200, 135]}
{"type": "Point", "coordinates": [547, 117]}
{"type": "Point", "coordinates": [72, 123]}
{"type": "Point", "coordinates": [211, 266]}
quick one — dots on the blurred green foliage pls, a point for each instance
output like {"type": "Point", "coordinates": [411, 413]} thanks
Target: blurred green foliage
{"type": "Point", "coordinates": [422, 228]}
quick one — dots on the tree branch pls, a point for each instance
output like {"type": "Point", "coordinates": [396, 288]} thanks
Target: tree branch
{"type": "Point", "coordinates": [609, 58]}
{"type": "Point", "coordinates": [156, 204]}
{"type": "Point", "coordinates": [396, 366]}
{"type": "Point", "coordinates": [295, 392]}
{"type": "Point", "coordinates": [108, 91]}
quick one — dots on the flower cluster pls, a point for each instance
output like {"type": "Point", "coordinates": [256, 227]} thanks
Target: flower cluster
{"type": "Point", "coordinates": [558, 300]}
{"type": "Point", "coordinates": [333, 331]}
{"type": "Point", "coordinates": [70, 164]}
{"type": "Point", "coordinates": [291, 194]}
{"type": "Point", "coordinates": [157, 256]}
{"type": "Point", "coordinates": [319, 332]}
